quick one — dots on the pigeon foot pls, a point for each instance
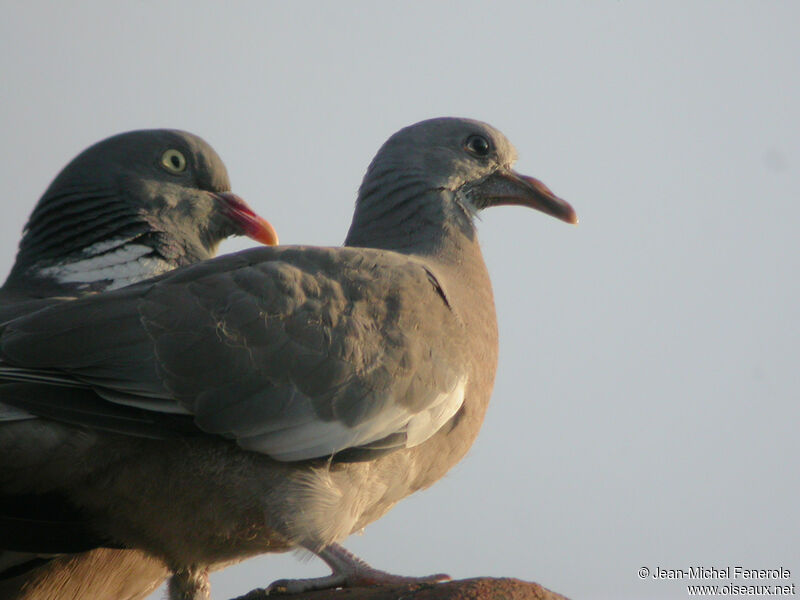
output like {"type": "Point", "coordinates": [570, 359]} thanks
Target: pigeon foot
{"type": "Point", "coordinates": [348, 571]}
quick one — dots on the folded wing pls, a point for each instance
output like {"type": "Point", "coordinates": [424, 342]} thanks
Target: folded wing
{"type": "Point", "coordinates": [296, 353]}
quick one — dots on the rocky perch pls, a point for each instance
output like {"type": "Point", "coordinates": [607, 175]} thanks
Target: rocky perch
{"type": "Point", "coordinates": [481, 588]}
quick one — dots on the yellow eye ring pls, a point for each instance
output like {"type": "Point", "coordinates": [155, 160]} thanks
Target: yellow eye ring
{"type": "Point", "coordinates": [173, 161]}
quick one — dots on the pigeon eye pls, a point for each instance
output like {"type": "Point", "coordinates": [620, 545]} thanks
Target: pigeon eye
{"type": "Point", "coordinates": [173, 161]}
{"type": "Point", "coordinates": [477, 145]}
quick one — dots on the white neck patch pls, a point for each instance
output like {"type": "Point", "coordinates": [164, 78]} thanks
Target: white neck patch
{"type": "Point", "coordinates": [123, 266]}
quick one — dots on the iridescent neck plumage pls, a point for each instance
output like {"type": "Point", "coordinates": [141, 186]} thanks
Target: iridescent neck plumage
{"type": "Point", "coordinates": [88, 241]}
{"type": "Point", "coordinates": [404, 211]}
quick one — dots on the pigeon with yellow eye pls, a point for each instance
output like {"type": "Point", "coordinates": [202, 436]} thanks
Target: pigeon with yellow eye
{"type": "Point", "coordinates": [128, 208]}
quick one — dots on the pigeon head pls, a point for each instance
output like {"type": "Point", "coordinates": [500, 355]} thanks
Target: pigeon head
{"type": "Point", "coordinates": [134, 205]}
{"type": "Point", "coordinates": [436, 175]}
{"type": "Point", "coordinates": [181, 188]}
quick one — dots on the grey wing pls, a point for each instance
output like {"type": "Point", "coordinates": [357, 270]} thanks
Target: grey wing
{"type": "Point", "coordinates": [294, 353]}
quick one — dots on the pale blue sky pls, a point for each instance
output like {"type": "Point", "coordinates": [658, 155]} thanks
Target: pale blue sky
{"type": "Point", "coordinates": [646, 407]}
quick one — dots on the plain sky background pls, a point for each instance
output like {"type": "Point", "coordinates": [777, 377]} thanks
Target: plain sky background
{"type": "Point", "coordinates": [646, 407]}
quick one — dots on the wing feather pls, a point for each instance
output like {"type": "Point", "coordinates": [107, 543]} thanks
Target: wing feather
{"type": "Point", "coordinates": [297, 353]}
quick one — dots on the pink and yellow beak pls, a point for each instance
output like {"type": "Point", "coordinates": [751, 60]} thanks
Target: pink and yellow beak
{"type": "Point", "coordinates": [252, 225]}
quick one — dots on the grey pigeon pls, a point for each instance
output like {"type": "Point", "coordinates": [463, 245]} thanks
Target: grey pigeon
{"type": "Point", "coordinates": [126, 209]}
{"type": "Point", "coordinates": [276, 398]}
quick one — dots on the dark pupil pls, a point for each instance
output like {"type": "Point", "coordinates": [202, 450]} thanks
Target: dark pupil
{"type": "Point", "coordinates": [175, 162]}
{"type": "Point", "coordinates": [479, 145]}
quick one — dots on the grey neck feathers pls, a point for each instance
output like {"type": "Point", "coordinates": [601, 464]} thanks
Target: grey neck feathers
{"type": "Point", "coordinates": [405, 212]}
{"type": "Point", "coordinates": [76, 225]}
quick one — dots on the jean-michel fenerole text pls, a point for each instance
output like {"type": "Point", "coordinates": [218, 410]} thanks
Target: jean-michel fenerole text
{"type": "Point", "coordinates": [736, 572]}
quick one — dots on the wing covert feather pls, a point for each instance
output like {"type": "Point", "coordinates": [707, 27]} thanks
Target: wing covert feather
{"type": "Point", "coordinates": [294, 352]}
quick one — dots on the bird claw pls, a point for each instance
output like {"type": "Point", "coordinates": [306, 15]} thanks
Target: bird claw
{"type": "Point", "coordinates": [348, 571]}
{"type": "Point", "coordinates": [296, 586]}
{"type": "Point", "coordinates": [366, 578]}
